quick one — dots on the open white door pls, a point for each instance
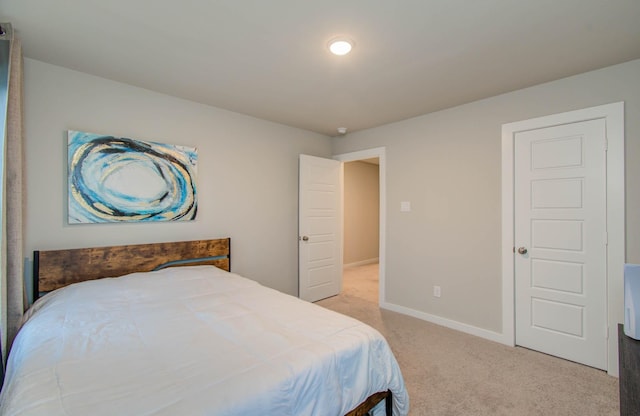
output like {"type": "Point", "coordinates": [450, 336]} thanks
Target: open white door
{"type": "Point", "coordinates": [320, 228]}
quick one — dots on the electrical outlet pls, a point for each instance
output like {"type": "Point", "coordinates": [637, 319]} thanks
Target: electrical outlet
{"type": "Point", "coordinates": [436, 291]}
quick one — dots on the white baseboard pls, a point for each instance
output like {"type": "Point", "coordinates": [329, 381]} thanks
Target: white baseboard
{"type": "Point", "coordinates": [362, 262]}
{"type": "Point", "coordinates": [448, 323]}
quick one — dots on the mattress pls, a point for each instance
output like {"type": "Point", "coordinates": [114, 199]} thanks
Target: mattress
{"type": "Point", "coordinates": [192, 341]}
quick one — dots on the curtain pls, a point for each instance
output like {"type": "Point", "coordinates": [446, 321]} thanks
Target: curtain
{"type": "Point", "coordinates": [13, 266]}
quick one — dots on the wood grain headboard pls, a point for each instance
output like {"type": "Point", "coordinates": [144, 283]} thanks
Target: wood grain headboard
{"type": "Point", "coordinates": [53, 269]}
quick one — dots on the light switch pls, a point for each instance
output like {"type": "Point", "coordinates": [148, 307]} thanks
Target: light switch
{"type": "Point", "coordinates": [405, 206]}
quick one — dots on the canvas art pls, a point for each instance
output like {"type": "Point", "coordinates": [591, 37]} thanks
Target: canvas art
{"type": "Point", "coordinates": [117, 179]}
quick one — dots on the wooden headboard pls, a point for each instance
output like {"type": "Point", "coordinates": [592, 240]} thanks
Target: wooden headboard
{"type": "Point", "coordinates": [53, 269]}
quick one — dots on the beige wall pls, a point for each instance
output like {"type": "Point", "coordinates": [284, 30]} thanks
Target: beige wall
{"type": "Point", "coordinates": [448, 165]}
{"type": "Point", "coordinates": [247, 170]}
{"type": "Point", "coordinates": [361, 212]}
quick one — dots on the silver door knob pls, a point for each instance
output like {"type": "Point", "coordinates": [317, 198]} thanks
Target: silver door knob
{"type": "Point", "coordinates": [522, 250]}
{"type": "Point", "coordinates": [305, 238]}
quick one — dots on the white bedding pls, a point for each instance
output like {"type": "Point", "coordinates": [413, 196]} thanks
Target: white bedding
{"type": "Point", "coordinates": [192, 341]}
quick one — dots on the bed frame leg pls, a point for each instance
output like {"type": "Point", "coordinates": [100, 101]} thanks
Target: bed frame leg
{"type": "Point", "coordinates": [389, 403]}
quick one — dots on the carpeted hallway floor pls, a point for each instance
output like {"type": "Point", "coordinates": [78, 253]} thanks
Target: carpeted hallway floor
{"type": "Point", "coordinates": [449, 373]}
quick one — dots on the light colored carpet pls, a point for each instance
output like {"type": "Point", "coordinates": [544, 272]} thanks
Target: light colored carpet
{"type": "Point", "coordinates": [449, 373]}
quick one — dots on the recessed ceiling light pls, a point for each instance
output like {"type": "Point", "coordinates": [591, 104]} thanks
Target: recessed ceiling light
{"type": "Point", "coordinates": [340, 46]}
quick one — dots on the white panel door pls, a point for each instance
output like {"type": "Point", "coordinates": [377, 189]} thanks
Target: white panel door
{"type": "Point", "coordinates": [320, 228]}
{"type": "Point", "coordinates": [560, 221]}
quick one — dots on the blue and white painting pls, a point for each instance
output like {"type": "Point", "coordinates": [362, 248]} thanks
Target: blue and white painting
{"type": "Point", "coordinates": [116, 179]}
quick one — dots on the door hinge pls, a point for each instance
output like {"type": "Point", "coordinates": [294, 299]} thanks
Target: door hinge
{"type": "Point", "coordinates": [606, 238]}
{"type": "Point", "coordinates": [606, 143]}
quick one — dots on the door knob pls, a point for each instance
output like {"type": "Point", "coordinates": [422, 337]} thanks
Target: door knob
{"type": "Point", "coordinates": [305, 238]}
{"type": "Point", "coordinates": [522, 250]}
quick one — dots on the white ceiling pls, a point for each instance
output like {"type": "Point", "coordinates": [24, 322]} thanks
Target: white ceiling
{"type": "Point", "coordinates": [269, 59]}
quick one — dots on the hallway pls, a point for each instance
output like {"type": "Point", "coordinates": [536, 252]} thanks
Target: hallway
{"type": "Point", "coordinates": [361, 282]}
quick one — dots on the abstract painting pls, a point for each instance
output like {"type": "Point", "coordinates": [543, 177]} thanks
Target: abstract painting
{"type": "Point", "coordinates": [116, 179]}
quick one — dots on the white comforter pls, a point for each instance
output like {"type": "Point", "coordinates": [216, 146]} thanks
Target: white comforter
{"type": "Point", "coordinates": [192, 341]}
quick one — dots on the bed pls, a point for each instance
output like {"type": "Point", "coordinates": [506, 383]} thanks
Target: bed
{"type": "Point", "coordinates": [167, 329]}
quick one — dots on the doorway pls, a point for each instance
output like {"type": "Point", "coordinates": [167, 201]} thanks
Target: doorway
{"type": "Point", "coordinates": [360, 263]}
{"type": "Point", "coordinates": [559, 277]}
{"type": "Point", "coordinates": [361, 223]}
